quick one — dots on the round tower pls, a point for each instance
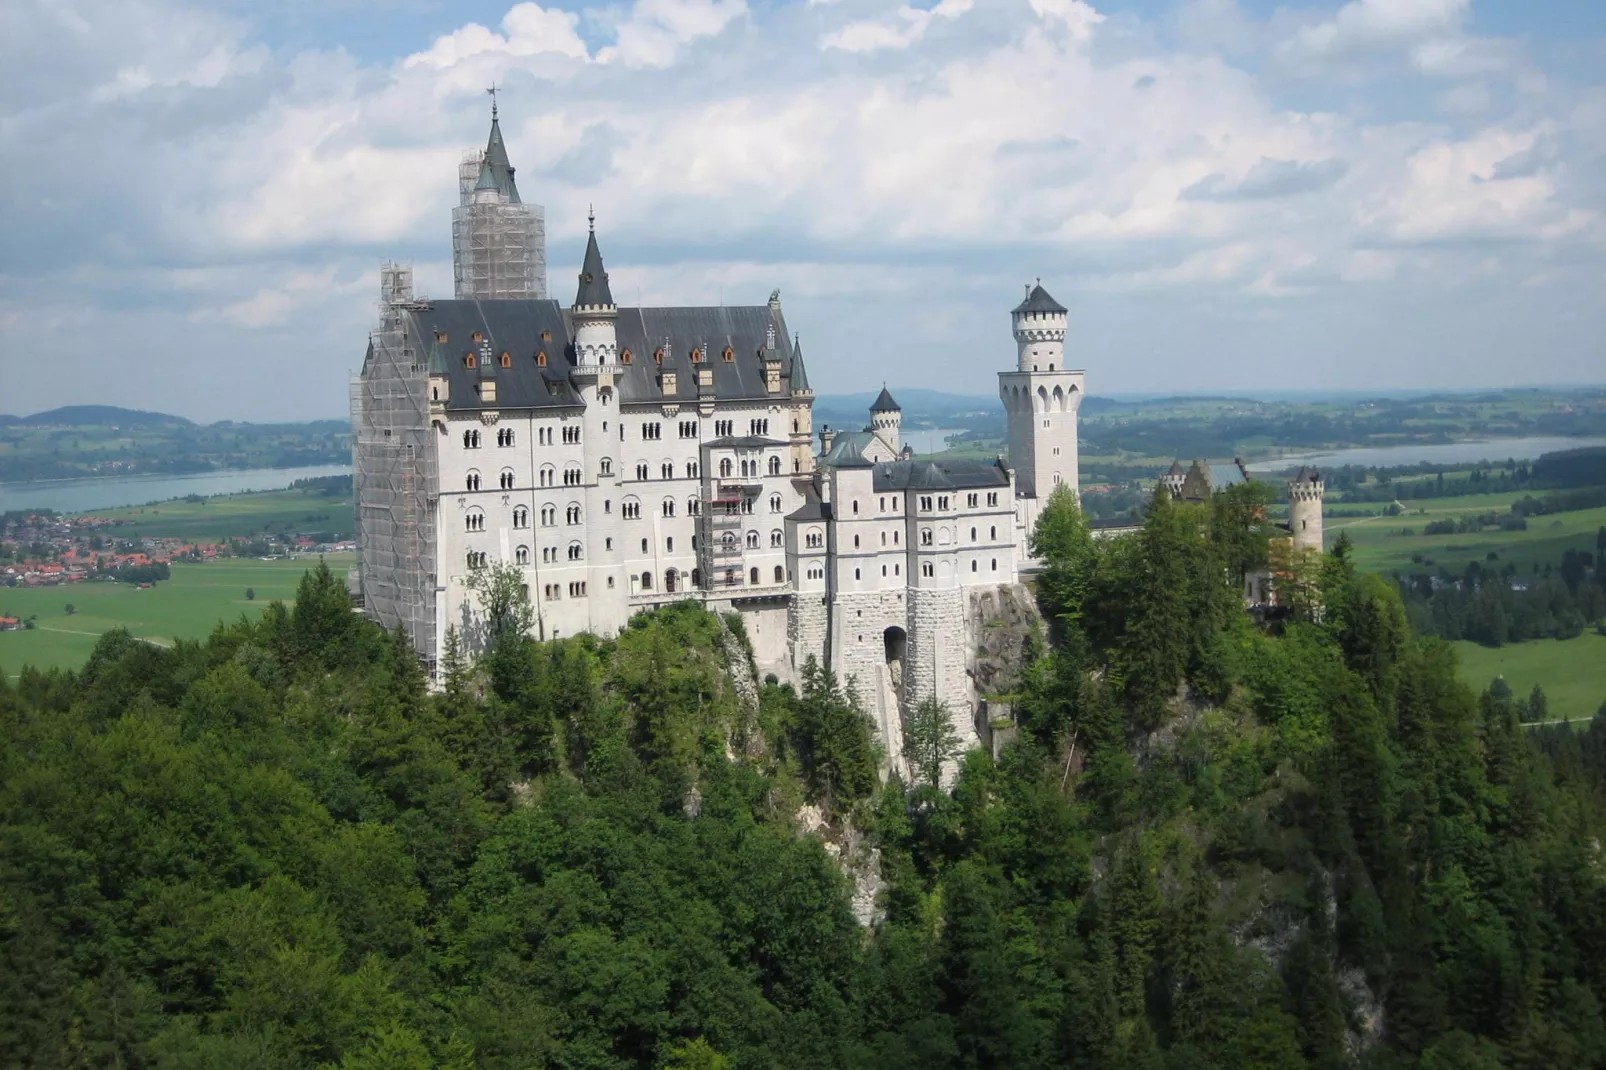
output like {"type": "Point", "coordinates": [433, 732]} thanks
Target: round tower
{"type": "Point", "coordinates": [1305, 492]}
{"type": "Point", "coordinates": [595, 340]}
{"type": "Point", "coordinates": [1040, 323]}
{"type": "Point", "coordinates": [1173, 479]}
{"type": "Point", "coordinates": [886, 419]}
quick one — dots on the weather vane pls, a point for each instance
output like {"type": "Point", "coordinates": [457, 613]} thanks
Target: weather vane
{"type": "Point", "coordinates": [493, 91]}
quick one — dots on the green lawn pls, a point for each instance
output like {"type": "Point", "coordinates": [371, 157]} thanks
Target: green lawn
{"type": "Point", "coordinates": [227, 515]}
{"type": "Point", "coordinates": [1377, 550]}
{"type": "Point", "coordinates": [186, 607]}
{"type": "Point", "coordinates": [1571, 671]}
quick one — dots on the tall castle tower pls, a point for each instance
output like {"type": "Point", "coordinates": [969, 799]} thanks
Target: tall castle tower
{"type": "Point", "coordinates": [1041, 398]}
{"type": "Point", "coordinates": [886, 417]}
{"type": "Point", "coordinates": [1305, 492]}
{"type": "Point", "coordinates": [498, 241]}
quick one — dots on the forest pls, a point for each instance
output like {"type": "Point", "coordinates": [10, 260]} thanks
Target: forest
{"type": "Point", "coordinates": [1216, 842]}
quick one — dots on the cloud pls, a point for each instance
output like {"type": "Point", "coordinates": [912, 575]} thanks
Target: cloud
{"type": "Point", "coordinates": [1368, 26]}
{"type": "Point", "coordinates": [1268, 179]}
{"type": "Point", "coordinates": [899, 30]}
{"type": "Point", "coordinates": [528, 30]}
{"type": "Point", "coordinates": [656, 29]}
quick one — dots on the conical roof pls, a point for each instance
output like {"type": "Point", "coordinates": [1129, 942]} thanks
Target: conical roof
{"type": "Point", "coordinates": [884, 403]}
{"type": "Point", "coordinates": [800, 375]}
{"type": "Point", "coordinates": [496, 159]}
{"type": "Point", "coordinates": [437, 357]}
{"type": "Point", "coordinates": [593, 279]}
{"type": "Point", "coordinates": [487, 177]}
{"type": "Point", "coordinates": [1038, 300]}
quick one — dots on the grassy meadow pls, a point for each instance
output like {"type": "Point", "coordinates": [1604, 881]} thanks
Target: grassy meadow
{"type": "Point", "coordinates": [1571, 671]}
{"type": "Point", "coordinates": [230, 515]}
{"type": "Point", "coordinates": [187, 606]}
{"type": "Point", "coordinates": [1378, 547]}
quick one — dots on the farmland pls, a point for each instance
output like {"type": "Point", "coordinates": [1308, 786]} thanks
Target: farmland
{"type": "Point", "coordinates": [1572, 672]}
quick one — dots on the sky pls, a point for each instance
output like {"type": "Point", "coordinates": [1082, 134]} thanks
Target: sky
{"type": "Point", "coordinates": [1229, 195]}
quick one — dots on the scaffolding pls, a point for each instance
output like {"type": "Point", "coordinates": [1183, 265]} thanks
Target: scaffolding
{"type": "Point", "coordinates": [498, 244]}
{"type": "Point", "coordinates": [722, 550]}
{"type": "Point", "coordinates": [394, 470]}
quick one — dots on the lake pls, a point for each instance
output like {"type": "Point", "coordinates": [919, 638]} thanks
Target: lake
{"type": "Point", "coordinates": [110, 492]}
{"type": "Point", "coordinates": [1446, 453]}
{"type": "Point", "coordinates": [925, 442]}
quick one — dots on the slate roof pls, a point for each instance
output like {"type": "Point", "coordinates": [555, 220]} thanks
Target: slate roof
{"type": "Point", "coordinates": [885, 403]}
{"type": "Point", "coordinates": [496, 159]}
{"type": "Point", "coordinates": [593, 279]}
{"type": "Point", "coordinates": [1038, 300]}
{"type": "Point", "coordinates": [800, 375]}
{"type": "Point", "coordinates": [847, 450]}
{"type": "Point", "coordinates": [1306, 474]}
{"type": "Point", "coordinates": [812, 508]}
{"type": "Point", "coordinates": [939, 475]}
{"type": "Point", "coordinates": [745, 442]}
{"type": "Point", "coordinates": [517, 327]}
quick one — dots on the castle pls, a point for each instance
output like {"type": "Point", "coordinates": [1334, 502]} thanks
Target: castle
{"type": "Point", "coordinates": [625, 458]}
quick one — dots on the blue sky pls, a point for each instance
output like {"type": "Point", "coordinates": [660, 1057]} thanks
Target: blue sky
{"type": "Point", "coordinates": [1389, 194]}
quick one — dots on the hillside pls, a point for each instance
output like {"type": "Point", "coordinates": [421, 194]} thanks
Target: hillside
{"type": "Point", "coordinates": [95, 416]}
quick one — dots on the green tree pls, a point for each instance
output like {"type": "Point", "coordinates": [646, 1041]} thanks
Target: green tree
{"type": "Point", "coordinates": [930, 740]}
{"type": "Point", "coordinates": [504, 598]}
{"type": "Point", "coordinates": [250, 594]}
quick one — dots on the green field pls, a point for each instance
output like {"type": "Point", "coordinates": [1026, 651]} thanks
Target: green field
{"type": "Point", "coordinates": [230, 515]}
{"type": "Point", "coordinates": [186, 607]}
{"type": "Point", "coordinates": [1377, 550]}
{"type": "Point", "coordinates": [1571, 671]}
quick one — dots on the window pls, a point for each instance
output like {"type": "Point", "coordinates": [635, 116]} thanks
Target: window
{"type": "Point", "coordinates": [724, 467]}
{"type": "Point", "coordinates": [641, 470]}
{"type": "Point", "coordinates": [883, 538]}
{"type": "Point", "coordinates": [775, 466]}
{"type": "Point", "coordinates": [696, 577]}
{"type": "Point", "coordinates": [972, 534]}
{"type": "Point", "coordinates": [730, 356]}
{"type": "Point", "coordinates": [474, 521]}
{"type": "Point", "coordinates": [688, 429]}
{"type": "Point", "coordinates": [606, 466]}
{"type": "Point", "coordinates": [521, 555]}
{"type": "Point", "coordinates": [627, 357]}
{"type": "Point", "coordinates": [693, 507]}
{"type": "Point", "coordinates": [992, 499]}
{"type": "Point", "coordinates": [521, 517]}
{"type": "Point", "coordinates": [752, 540]}
{"type": "Point", "coordinates": [780, 574]}
{"type": "Point", "coordinates": [970, 501]}
{"type": "Point", "coordinates": [927, 569]}
{"type": "Point", "coordinates": [669, 545]}
{"type": "Point", "coordinates": [925, 536]}
{"type": "Point", "coordinates": [775, 503]}
{"type": "Point", "coordinates": [646, 581]}
{"type": "Point", "coordinates": [776, 538]}
{"type": "Point", "coordinates": [471, 440]}
{"type": "Point", "coordinates": [942, 503]}
{"type": "Point", "coordinates": [973, 566]}
{"type": "Point", "coordinates": [468, 359]}
{"type": "Point", "coordinates": [669, 507]}
{"type": "Point", "coordinates": [758, 427]}
{"type": "Point", "coordinates": [549, 515]}
{"type": "Point", "coordinates": [894, 536]}
{"type": "Point", "coordinates": [553, 591]}
{"type": "Point", "coordinates": [696, 356]}
{"type": "Point", "coordinates": [571, 515]}
{"type": "Point", "coordinates": [855, 542]}
{"type": "Point", "coordinates": [883, 570]}
{"type": "Point", "coordinates": [571, 436]}
{"type": "Point", "coordinates": [549, 475]}
{"type": "Point", "coordinates": [722, 428]}
{"type": "Point", "coordinates": [577, 589]}
{"type": "Point", "coordinates": [476, 559]}
{"type": "Point", "coordinates": [473, 480]}
{"type": "Point", "coordinates": [813, 540]}
{"type": "Point", "coordinates": [573, 476]}
{"type": "Point", "coordinates": [506, 360]}
{"type": "Point", "coordinates": [925, 503]}
{"type": "Point", "coordinates": [549, 553]}
{"type": "Point", "coordinates": [855, 573]}
{"type": "Point", "coordinates": [506, 479]}
{"type": "Point", "coordinates": [651, 432]}
{"type": "Point", "coordinates": [607, 544]}
{"type": "Point", "coordinates": [658, 355]}
{"type": "Point", "coordinates": [995, 564]}
{"type": "Point", "coordinates": [747, 505]}
{"type": "Point", "coordinates": [576, 551]}
{"type": "Point", "coordinates": [897, 570]}
{"type": "Point", "coordinates": [631, 509]}
{"type": "Point", "coordinates": [666, 470]}
{"type": "Point", "coordinates": [540, 359]}
{"type": "Point", "coordinates": [728, 541]}
{"type": "Point", "coordinates": [691, 469]}
{"type": "Point", "coordinates": [504, 436]}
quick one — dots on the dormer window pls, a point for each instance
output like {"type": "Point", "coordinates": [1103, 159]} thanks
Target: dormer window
{"type": "Point", "coordinates": [540, 359]}
{"type": "Point", "coordinates": [478, 336]}
{"type": "Point", "coordinates": [507, 360]}
{"type": "Point", "coordinates": [696, 356]}
{"type": "Point", "coordinates": [546, 336]}
{"type": "Point", "coordinates": [658, 355]}
{"type": "Point", "coordinates": [440, 336]}
{"type": "Point", "coordinates": [468, 360]}
{"type": "Point", "coordinates": [729, 355]}
{"type": "Point", "coordinates": [625, 357]}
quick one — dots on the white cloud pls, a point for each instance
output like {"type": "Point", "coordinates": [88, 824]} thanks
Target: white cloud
{"type": "Point", "coordinates": [899, 30]}
{"type": "Point", "coordinates": [1364, 26]}
{"type": "Point", "coordinates": [528, 30]}
{"type": "Point", "coordinates": [655, 30]}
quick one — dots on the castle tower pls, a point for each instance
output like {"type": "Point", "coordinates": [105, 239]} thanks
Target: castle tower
{"type": "Point", "coordinates": [596, 343]}
{"type": "Point", "coordinates": [1305, 492]}
{"type": "Point", "coordinates": [498, 241]}
{"type": "Point", "coordinates": [1173, 480]}
{"type": "Point", "coordinates": [886, 418]}
{"type": "Point", "coordinates": [1041, 398]}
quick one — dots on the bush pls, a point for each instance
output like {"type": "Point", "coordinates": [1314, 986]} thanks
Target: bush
{"type": "Point", "coordinates": [250, 594]}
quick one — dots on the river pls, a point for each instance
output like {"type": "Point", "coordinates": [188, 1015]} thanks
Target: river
{"type": "Point", "coordinates": [1446, 453]}
{"type": "Point", "coordinates": [110, 492]}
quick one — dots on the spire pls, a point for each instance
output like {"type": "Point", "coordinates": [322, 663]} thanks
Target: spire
{"type": "Point", "coordinates": [800, 375]}
{"type": "Point", "coordinates": [593, 279]}
{"type": "Point", "coordinates": [496, 157]}
{"type": "Point", "coordinates": [884, 402]}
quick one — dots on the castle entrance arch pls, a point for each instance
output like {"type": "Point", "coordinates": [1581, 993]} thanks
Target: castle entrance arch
{"type": "Point", "coordinates": [895, 642]}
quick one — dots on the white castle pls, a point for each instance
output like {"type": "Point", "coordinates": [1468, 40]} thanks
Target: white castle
{"type": "Point", "coordinates": [626, 458]}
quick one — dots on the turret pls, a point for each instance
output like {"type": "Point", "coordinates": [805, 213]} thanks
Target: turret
{"type": "Point", "coordinates": [886, 418]}
{"type": "Point", "coordinates": [486, 365]}
{"type": "Point", "coordinates": [596, 343]}
{"type": "Point", "coordinates": [440, 383]}
{"type": "Point", "coordinates": [1040, 323]}
{"type": "Point", "coordinates": [1305, 493]}
{"type": "Point", "coordinates": [1173, 480]}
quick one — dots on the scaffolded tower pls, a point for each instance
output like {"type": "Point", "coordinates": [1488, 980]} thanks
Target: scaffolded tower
{"type": "Point", "coordinates": [498, 241]}
{"type": "Point", "coordinates": [394, 468]}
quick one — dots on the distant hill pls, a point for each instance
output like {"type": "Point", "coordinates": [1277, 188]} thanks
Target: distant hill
{"type": "Point", "coordinates": [95, 416]}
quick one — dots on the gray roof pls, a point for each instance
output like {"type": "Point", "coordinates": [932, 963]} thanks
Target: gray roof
{"type": "Point", "coordinates": [1306, 474]}
{"type": "Point", "coordinates": [745, 442]}
{"type": "Point", "coordinates": [884, 403]}
{"type": "Point", "coordinates": [517, 328]}
{"type": "Point", "coordinates": [1038, 300]}
{"type": "Point", "coordinates": [812, 508]}
{"type": "Point", "coordinates": [940, 475]}
{"type": "Point", "coordinates": [496, 159]}
{"type": "Point", "coordinates": [593, 279]}
{"type": "Point", "coordinates": [847, 449]}
{"type": "Point", "coordinates": [800, 376]}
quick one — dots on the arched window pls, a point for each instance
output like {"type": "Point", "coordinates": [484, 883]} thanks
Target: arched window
{"type": "Point", "coordinates": [670, 579]}
{"type": "Point", "coordinates": [473, 480]}
{"type": "Point", "coordinates": [573, 476]}
{"type": "Point", "coordinates": [992, 532]}
{"type": "Point", "coordinates": [925, 536]}
{"type": "Point", "coordinates": [521, 516]}
{"type": "Point", "coordinates": [521, 555]}
{"type": "Point", "coordinates": [571, 515]}
{"type": "Point", "coordinates": [696, 577]}
{"type": "Point", "coordinates": [641, 470]}
{"type": "Point", "coordinates": [506, 360]}
{"type": "Point", "coordinates": [724, 467]}
{"type": "Point", "coordinates": [752, 540]}
{"type": "Point", "coordinates": [693, 507]}
{"type": "Point", "coordinates": [780, 574]}
{"type": "Point", "coordinates": [476, 559]}
{"type": "Point", "coordinates": [669, 507]}
{"type": "Point", "coordinates": [626, 357]}
{"type": "Point", "coordinates": [729, 354]}
{"type": "Point", "coordinates": [549, 515]}
{"type": "Point", "coordinates": [775, 466]}
{"type": "Point", "coordinates": [549, 475]}
{"type": "Point", "coordinates": [730, 577]}
{"type": "Point", "coordinates": [506, 479]}
{"type": "Point", "coordinates": [752, 575]}
{"type": "Point", "coordinates": [775, 537]}
{"type": "Point", "coordinates": [667, 470]}
{"type": "Point", "coordinates": [631, 509]}
{"type": "Point", "coordinates": [540, 359]}
{"type": "Point", "coordinates": [474, 520]}
{"type": "Point", "coordinates": [691, 469]}
{"type": "Point", "coordinates": [728, 540]}
{"type": "Point", "coordinates": [576, 551]}
{"type": "Point", "coordinates": [995, 564]}
{"type": "Point", "coordinates": [468, 359]}
{"type": "Point", "coordinates": [646, 581]}
{"type": "Point", "coordinates": [606, 466]}
{"type": "Point", "coordinates": [775, 503]}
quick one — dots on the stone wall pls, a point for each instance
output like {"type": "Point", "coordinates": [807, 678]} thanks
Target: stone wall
{"type": "Point", "coordinates": [939, 649]}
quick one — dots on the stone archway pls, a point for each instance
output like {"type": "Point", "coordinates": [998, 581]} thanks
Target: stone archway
{"type": "Point", "coordinates": [895, 643]}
